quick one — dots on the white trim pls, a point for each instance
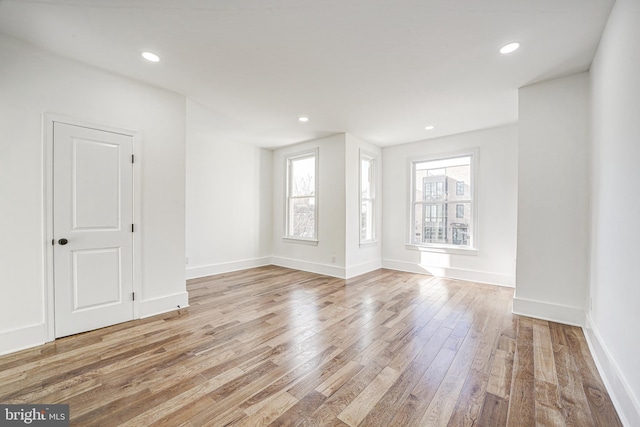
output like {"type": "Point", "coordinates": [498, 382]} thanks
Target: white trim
{"type": "Point", "coordinates": [137, 220]}
{"type": "Point", "coordinates": [226, 267]}
{"type": "Point", "coordinates": [369, 244]}
{"type": "Point", "coordinates": [315, 153]}
{"type": "Point", "coordinates": [22, 338]}
{"type": "Point", "coordinates": [452, 273]}
{"type": "Point", "coordinates": [365, 267]}
{"type": "Point", "coordinates": [326, 269]}
{"type": "Point", "coordinates": [163, 304]}
{"type": "Point", "coordinates": [312, 267]}
{"type": "Point", "coordinates": [48, 120]}
{"type": "Point", "coordinates": [627, 405]}
{"type": "Point", "coordinates": [443, 249]}
{"type": "Point", "coordinates": [300, 241]}
{"type": "Point", "coordinates": [548, 311]}
{"type": "Point", "coordinates": [474, 153]}
{"type": "Point", "coordinates": [47, 229]}
{"type": "Point", "coordinates": [373, 172]}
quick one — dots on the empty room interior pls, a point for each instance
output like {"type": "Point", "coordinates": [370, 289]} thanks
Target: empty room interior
{"type": "Point", "coordinates": [287, 212]}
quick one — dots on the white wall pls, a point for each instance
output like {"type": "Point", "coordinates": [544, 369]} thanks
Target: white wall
{"type": "Point", "coordinates": [360, 260]}
{"type": "Point", "coordinates": [331, 210]}
{"type": "Point", "coordinates": [33, 82]}
{"type": "Point", "coordinates": [229, 198]}
{"type": "Point", "coordinates": [615, 229]}
{"type": "Point", "coordinates": [553, 202]}
{"type": "Point", "coordinates": [497, 201]}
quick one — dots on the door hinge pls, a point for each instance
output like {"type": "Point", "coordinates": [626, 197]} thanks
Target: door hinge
{"type": "Point", "coordinates": [53, 241]}
{"type": "Point", "coordinates": [133, 158]}
{"type": "Point", "coordinates": [132, 229]}
{"type": "Point", "coordinates": [133, 296]}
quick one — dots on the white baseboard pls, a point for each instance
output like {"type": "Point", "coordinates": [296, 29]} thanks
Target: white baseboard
{"type": "Point", "coordinates": [164, 304]}
{"type": "Point", "coordinates": [18, 339]}
{"type": "Point", "coordinates": [627, 405]}
{"type": "Point", "coordinates": [452, 273]}
{"type": "Point", "coordinates": [547, 311]}
{"type": "Point", "coordinates": [22, 338]}
{"type": "Point", "coordinates": [226, 267]}
{"type": "Point", "coordinates": [312, 267]}
{"type": "Point", "coordinates": [365, 267]}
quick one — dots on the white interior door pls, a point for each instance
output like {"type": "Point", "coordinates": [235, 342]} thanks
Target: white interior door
{"type": "Point", "coordinates": [92, 228]}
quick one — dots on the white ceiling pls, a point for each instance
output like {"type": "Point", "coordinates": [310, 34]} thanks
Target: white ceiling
{"type": "Point", "coordinates": [379, 69]}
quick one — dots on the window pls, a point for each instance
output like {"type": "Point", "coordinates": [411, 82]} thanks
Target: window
{"type": "Point", "coordinates": [434, 213]}
{"type": "Point", "coordinates": [367, 198]}
{"type": "Point", "coordinates": [442, 203]}
{"type": "Point", "coordinates": [433, 190]}
{"type": "Point", "coordinates": [302, 191]}
{"type": "Point", "coordinates": [460, 236]}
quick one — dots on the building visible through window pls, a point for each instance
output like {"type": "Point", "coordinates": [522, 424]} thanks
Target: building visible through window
{"type": "Point", "coordinates": [442, 201]}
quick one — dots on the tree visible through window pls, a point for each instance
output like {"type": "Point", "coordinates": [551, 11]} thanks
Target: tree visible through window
{"type": "Point", "coordinates": [442, 201]}
{"type": "Point", "coordinates": [301, 196]}
{"type": "Point", "coordinates": [367, 198]}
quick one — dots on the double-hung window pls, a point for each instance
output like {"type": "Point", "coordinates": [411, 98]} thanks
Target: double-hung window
{"type": "Point", "coordinates": [367, 198]}
{"type": "Point", "coordinates": [442, 202]}
{"type": "Point", "coordinates": [302, 193]}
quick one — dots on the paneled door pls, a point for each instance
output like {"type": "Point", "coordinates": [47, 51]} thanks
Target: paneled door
{"type": "Point", "coordinates": [92, 228]}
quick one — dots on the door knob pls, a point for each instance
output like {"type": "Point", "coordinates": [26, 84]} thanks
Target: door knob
{"type": "Point", "coordinates": [63, 242]}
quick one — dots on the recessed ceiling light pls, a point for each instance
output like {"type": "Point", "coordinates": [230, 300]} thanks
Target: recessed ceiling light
{"type": "Point", "coordinates": [149, 56]}
{"type": "Point", "coordinates": [429, 127]}
{"type": "Point", "coordinates": [303, 119]}
{"type": "Point", "coordinates": [511, 47]}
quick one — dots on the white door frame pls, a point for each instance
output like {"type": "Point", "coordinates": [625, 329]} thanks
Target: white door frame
{"type": "Point", "coordinates": [47, 184]}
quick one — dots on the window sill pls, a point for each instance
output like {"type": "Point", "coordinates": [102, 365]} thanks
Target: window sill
{"type": "Point", "coordinates": [368, 244]}
{"type": "Point", "coordinates": [309, 242]}
{"type": "Point", "coordinates": [443, 249]}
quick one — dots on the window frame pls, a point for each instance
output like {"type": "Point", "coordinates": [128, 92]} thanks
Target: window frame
{"type": "Point", "coordinates": [288, 159]}
{"type": "Point", "coordinates": [373, 160]}
{"type": "Point", "coordinates": [473, 246]}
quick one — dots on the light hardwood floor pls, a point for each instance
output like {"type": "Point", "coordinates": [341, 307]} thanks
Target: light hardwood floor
{"type": "Point", "coordinates": [273, 346]}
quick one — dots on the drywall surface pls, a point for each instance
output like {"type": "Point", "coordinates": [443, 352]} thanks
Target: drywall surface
{"type": "Point", "coordinates": [553, 200]}
{"type": "Point", "coordinates": [328, 256]}
{"type": "Point", "coordinates": [33, 83]}
{"type": "Point", "coordinates": [229, 199]}
{"type": "Point", "coordinates": [496, 197]}
{"type": "Point", "coordinates": [361, 258]}
{"type": "Point", "coordinates": [615, 226]}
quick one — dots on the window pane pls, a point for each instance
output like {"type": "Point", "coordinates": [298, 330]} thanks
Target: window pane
{"type": "Point", "coordinates": [302, 213]}
{"type": "Point", "coordinates": [365, 178]}
{"type": "Point", "coordinates": [416, 232]}
{"type": "Point", "coordinates": [422, 188]}
{"type": "Point", "coordinates": [302, 175]}
{"type": "Point", "coordinates": [366, 220]}
{"type": "Point", "coordinates": [442, 201]}
{"type": "Point", "coordinates": [367, 198]}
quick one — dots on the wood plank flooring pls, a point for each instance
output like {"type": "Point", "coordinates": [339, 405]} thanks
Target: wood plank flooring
{"type": "Point", "coordinates": [279, 347]}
